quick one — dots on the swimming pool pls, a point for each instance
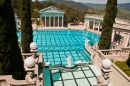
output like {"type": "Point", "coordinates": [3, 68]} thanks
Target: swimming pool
{"type": "Point", "coordinates": [57, 45]}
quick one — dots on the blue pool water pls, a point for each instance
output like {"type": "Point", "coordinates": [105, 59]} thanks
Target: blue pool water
{"type": "Point", "coordinates": [57, 45]}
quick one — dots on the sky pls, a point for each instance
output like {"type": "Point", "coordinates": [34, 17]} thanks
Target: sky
{"type": "Point", "coordinates": [99, 1]}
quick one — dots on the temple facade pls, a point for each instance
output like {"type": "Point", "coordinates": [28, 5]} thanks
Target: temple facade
{"type": "Point", "coordinates": [51, 17]}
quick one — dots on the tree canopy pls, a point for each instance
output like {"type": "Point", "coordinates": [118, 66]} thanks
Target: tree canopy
{"type": "Point", "coordinates": [71, 14]}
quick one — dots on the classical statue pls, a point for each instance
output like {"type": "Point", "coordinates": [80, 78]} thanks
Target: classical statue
{"type": "Point", "coordinates": [30, 78]}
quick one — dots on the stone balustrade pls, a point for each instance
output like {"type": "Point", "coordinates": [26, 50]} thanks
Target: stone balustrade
{"type": "Point", "coordinates": [125, 50]}
{"type": "Point", "coordinates": [111, 51]}
{"type": "Point", "coordinates": [118, 54]}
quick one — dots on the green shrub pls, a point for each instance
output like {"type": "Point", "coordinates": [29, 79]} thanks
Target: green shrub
{"type": "Point", "coordinates": [123, 66]}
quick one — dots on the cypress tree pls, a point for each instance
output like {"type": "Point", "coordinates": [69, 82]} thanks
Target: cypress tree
{"type": "Point", "coordinates": [109, 19]}
{"type": "Point", "coordinates": [26, 25]}
{"type": "Point", "coordinates": [11, 62]}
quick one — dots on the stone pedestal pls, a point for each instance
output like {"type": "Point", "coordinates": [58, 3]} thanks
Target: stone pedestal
{"type": "Point", "coordinates": [104, 80]}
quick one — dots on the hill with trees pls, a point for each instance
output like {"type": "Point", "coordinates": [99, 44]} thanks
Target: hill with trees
{"type": "Point", "coordinates": [123, 9]}
{"type": "Point", "coordinates": [78, 10]}
{"type": "Point", "coordinates": [71, 14]}
{"type": "Point", "coordinates": [125, 6]}
{"type": "Point", "coordinates": [77, 5]}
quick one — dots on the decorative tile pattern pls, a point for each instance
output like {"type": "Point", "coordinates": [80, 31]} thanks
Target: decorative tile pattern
{"type": "Point", "coordinates": [82, 76]}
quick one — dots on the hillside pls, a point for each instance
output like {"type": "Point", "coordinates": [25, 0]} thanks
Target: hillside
{"type": "Point", "coordinates": [76, 5]}
{"type": "Point", "coordinates": [123, 9]}
{"type": "Point", "coordinates": [92, 4]}
{"type": "Point", "coordinates": [125, 6]}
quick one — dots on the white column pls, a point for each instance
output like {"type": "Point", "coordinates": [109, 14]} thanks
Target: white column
{"type": "Point", "coordinates": [121, 40]}
{"type": "Point", "coordinates": [93, 25]}
{"type": "Point", "coordinates": [58, 21]}
{"type": "Point", "coordinates": [62, 21]}
{"type": "Point", "coordinates": [45, 21]}
{"type": "Point", "coordinates": [88, 25]}
{"type": "Point", "coordinates": [99, 26]}
{"type": "Point", "coordinates": [124, 39]}
{"type": "Point", "coordinates": [85, 24]}
{"type": "Point", "coordinates": [113, 33]}
{"type": "Point", "coordinates": [54, 21]}
{"type": "Point", "coordinates": [49, 21]}
{"type": "Point", "coordinates": [127, 40]}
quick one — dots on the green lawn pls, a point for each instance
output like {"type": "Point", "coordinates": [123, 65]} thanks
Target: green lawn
{"type": "Point", "coordinates": [123, 66]}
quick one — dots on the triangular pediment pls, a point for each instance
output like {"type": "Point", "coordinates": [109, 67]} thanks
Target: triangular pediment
{"type": "Point", "coordinates": [51, 9]}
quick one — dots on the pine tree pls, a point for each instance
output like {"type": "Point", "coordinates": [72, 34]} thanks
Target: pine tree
{"type": "Point", "coordinates": [109, 19]}
{"type": "Point", "coordinates": [11, 62]}
{"type": "Point", "coordinates": [26, 25]}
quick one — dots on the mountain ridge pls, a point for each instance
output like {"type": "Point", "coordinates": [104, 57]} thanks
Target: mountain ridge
{"type": "Point", "coordinates": [126, 6]}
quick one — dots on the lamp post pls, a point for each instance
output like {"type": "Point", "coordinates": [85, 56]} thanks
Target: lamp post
{"type": "Point", "coordinates": [104, 80]}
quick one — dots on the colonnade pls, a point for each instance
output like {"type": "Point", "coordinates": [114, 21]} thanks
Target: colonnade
{"type": "Point", "coordinates": [120, 38]}
{"type": "Point", "coordinates": [52, 21]}
{"type": "Point", "coordinates": [92, 24]}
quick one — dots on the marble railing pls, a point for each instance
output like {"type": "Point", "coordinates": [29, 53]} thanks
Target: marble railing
{"type": "Point", "coordinates": [113, 53]}
{"type": "Point", "coordinates": [125, 50]}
